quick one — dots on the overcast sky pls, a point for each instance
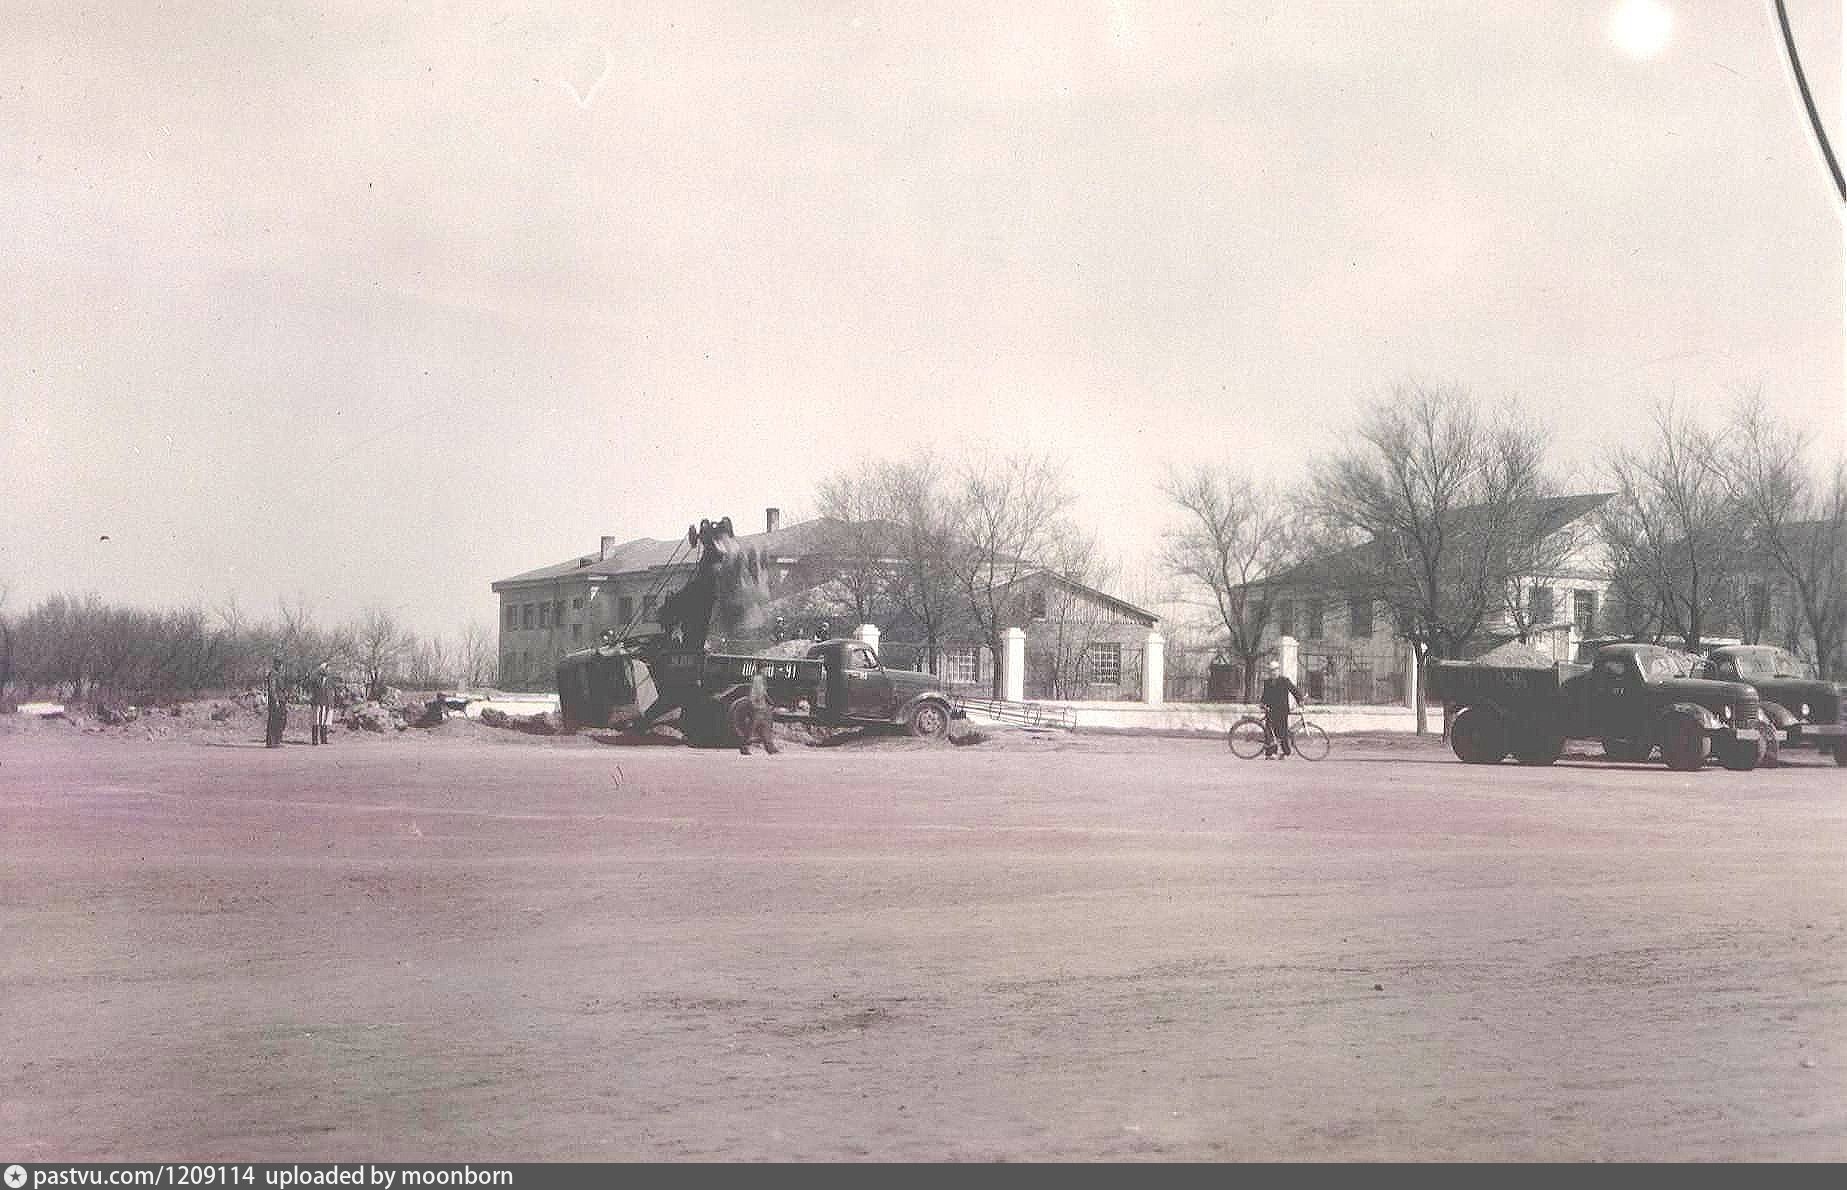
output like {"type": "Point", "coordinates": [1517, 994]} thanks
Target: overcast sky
{"type": "Point", "coordinates": [374, 303]}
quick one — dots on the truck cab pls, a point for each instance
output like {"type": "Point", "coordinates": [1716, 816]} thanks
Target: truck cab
{"type": "Point", "coordinates": [1799, 709]}
{"type": "Point", "coordinates": [860, 688]}
{"type": "Point", "coordinates": [1637, 696]}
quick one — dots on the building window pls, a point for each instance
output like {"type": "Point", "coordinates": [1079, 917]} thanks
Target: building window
{"type": "Point", "coordinates": [525, 616]}
{"type": "Point", "coordinates": [512, 615]}
{"type": "Point", "coordinates": [962, 666]}
{"type": "Point", "coordinates": [577, 603]}
{"type": "Point", "coordinates": [545, 615]}
{"type": "Point", "coordinates": [1105, 663]}
{"type": "Point", "coordinates": [506, 667]}
{"type": "Point", "coordinates": [1316, 608]}
{"type": "Point", "coordinates": [1542, 605]}
{"type": "Point", "coordinates": [558, 611]}
{"type": "Point", "coordinates": [1035, 605]}
{"type": "Point", "coordinates": [577, 632]}
{"type": "Point", "coordinates": [1285, 617]}
{"type": "Point", "coordinates": [1359, 618]}
{"type": "Point", "coordinates": [625, 609]}
{"type": "Point", "coordinates": [647, 607]}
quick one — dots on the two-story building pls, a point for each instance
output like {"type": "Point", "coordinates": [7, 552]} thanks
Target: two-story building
{"type": "Point", "coordinates": [554, 610]}
{"type": "Point", "coordinates": [1349, 650]}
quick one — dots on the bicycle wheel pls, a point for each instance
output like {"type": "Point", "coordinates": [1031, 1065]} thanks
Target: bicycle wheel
{"type": "Point", "coordinates": [1311, 743]}
{"type": "Point", "coordinates": [1246, 738]}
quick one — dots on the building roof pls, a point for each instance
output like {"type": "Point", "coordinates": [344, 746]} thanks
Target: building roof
{"type": "Point", "coordinates": [643, 554]}
{"type": "Point", "coordinates": [1123, 606]}
{"type": "Point", "coordinates": [1552, 512]}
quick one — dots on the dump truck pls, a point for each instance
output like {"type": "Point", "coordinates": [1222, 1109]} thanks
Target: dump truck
{"type": "Point", "coordinates": [638, 680]}
{"type": "Point", "coordinates": [1633, 698]}
{"type": "Point", "coordinates": [1799, 709]}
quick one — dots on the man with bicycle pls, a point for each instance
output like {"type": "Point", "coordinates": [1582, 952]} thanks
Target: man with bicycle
{"type": "Point", "coordinates": [1277, 691]}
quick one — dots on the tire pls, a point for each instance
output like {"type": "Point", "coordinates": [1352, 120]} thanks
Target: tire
{"type": "Point", "coordinates": [1628, 751]}
{"type": "Point", "coordinates": [1684, 745]}
{"type": "Point", "coordinates": [1311, 743]}
{"type": "Point", "coordinates": [1840, 751]}
{"type": "Point", "coordinates": [1538, 750]}
{"type": "Point", "coordinates": [1246, 737]}
{"type": "Point", "coordinates": [737, 721]}
{"type": "Point", "coordinates": [1740, 756]}
{"type": "Point", "coordinates": [928, 721]}
{"type": "Point", "coordinates": [1478, 736]}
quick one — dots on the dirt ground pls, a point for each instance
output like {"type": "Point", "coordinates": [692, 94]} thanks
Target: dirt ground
{"type": "Point", "coordinates": [476, 944]}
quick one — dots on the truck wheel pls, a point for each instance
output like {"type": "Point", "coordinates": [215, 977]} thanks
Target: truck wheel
{"type": "Point", "coordinates": [1740, 756]}
{"type": "Point", "coordinates": [1539, 749]}
{"type": "Point", "coordinates": [737, 721]}
{"type": "Point", "coordinates": [928, 721]}
{"type": "Point", "coordinates": [1628, 751]}
{"type": "Point", "coordinates": [1684, 746]}
{"type": "Point", "coordinates": [1478, 736]}
{"type": "Point", "coordinates": [1840, 751]}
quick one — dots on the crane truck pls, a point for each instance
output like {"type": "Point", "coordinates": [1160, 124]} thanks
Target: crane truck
{"type": "Point", "coordinates": [838, 682]}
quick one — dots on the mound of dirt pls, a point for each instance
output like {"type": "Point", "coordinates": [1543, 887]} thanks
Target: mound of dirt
{"type": "Point", "coordinates": [1515, 655]}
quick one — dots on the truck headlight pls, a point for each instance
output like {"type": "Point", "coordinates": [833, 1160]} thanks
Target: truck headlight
{"type": "Point", "coordinates": [1725, 713]}
{"type": "Point", "coordinates": [1803, 710]}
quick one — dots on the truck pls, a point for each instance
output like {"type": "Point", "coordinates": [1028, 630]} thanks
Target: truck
{"type": "Point", "coordinates": [641, 679]}
{"type": "Point", "coordinates": [1799, 709]}
{"type": "Point", "coordinates": [1633, 698]}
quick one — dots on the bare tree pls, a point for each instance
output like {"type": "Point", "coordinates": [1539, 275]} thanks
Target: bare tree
{"type": "Point", "coordinates": [6, 643]}
{"type": "Point", "coordinates": [430, 664]}
{"type": "Point", "coordinates": [1673, 532]}
{"type": "Point", "coordinates": [1443, 500]}
{"type": "Point", "coordinates": [380, 646]}
{"type": "Point", "coordinates": [861, 547]}
{"type": "Point", "coordinates": [477, 662]}
{"type": "Point", "coordinates": [1008, 512]}
{"type": "Point", "coordinates": [1234, 533]}
{"type": "Point", "coordinates": [1072, 622]}
{"type": "Point", "coordinates": [923, 586]}
{"type": "Point", "coordinates": [1796, 517]}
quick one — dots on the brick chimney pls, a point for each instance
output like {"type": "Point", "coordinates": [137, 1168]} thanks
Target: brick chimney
{"type": "Point", "coordinates": [605, 547]}
{"type": "Point", "coordinates": [772, 519]}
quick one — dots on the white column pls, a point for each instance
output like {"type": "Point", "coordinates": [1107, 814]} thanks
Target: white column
{"type": "Point", "coordinates": [868, 634]}
{"type": "Point", "coordinates": [1154, 669]}
{"type": "Point", "coordinates": [1289, 652]}
{"type": "Point", "coordinates": [1013, 667]}
{"type": "Point", "coordinates": [1410, 678]}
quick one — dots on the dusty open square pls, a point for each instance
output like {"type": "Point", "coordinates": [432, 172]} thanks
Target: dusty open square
{"type": "Point", "coordinates": [491, 946]}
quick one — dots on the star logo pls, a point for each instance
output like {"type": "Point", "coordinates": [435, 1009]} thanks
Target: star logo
{"type": "Point", "coordinates": [15, 1176]}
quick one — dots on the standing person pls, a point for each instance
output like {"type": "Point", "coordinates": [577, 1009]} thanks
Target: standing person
{"type": "Point", "coordinates": [277, 700]}
{"type": "Point", "coordinates": [320, 694]}
{"type": "Point", "coordinates": [762, 718]}
{"type": "Point", "coordinates": [1277, 691]}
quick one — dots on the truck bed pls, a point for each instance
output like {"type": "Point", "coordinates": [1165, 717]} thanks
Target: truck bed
{"type": "Point", "coordinates": [713, 672]}
{"type": "Point", "coordinates": [1465, 682]}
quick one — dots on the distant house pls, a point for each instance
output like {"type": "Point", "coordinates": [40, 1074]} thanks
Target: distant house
{"type": "Point", "coordinates": [1081, 643]}
{"type": "Point", "coordinates": [1348, 649]}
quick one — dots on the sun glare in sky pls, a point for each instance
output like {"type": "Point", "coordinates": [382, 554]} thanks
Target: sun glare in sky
{"type": "Point", "coordinates": [1640, 28]}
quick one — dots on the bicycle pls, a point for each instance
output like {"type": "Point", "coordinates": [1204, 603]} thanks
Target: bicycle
{"type": "Point", "coordinates": [1250, 736]}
